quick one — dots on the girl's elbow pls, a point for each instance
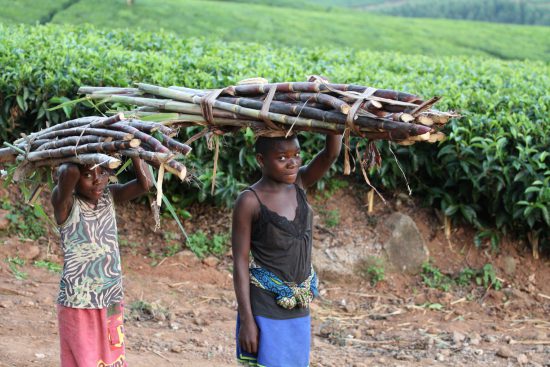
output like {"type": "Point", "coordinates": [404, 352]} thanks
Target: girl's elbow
{"type": "Point", "coordinates": [333, 156]}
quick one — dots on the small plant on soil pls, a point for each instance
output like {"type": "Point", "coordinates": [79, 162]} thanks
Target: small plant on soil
{"type": "Point", "coordinates": [488, 278]}
{"type": "Point", "coordinates": [172, 249]}
{"type": "Point", "coordinates": [330, 188]}
{"type": "Point", "coordinates": [133, 246]}
{"type": "Point", "coordinates": [332, 218]}
{"type": "Point", "coordinates": [48, 265]}
{"type": "Point", "coordinates": [201, 245]}
{"type": "Point", "coordinates": [487, 236]}
{"type": "Point", "coordinates": [141, 310]}
{"type": "Point", "coordinates": [13, 264]}
{"type": "Point", "coordinates": [434, 278]}
{"type": "Point", "coordinates": [374, 270]}
{"type": "Point", "coordinates": [433, 306]}
{"type": "Point", "coordinates": [25, 221]}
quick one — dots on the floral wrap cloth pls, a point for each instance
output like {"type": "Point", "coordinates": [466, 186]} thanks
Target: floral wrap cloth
{"type": "Point", "coordinates": [287, 294]}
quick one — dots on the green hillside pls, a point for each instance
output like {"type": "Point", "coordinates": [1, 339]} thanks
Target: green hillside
{"type": "Point", "coordinates": [535, 12]}
{"type": "Point", "coordinates": [27, 11]}
{"type": "Point", "coordinates": [492, 169]}
{"type": "Point", "coordinates": [232, 21]}
{"type": "Point", "coordinates": [502, 11]}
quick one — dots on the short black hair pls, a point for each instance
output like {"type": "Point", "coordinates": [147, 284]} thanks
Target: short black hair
{"type": "Point", "coordinates": [264, 144]}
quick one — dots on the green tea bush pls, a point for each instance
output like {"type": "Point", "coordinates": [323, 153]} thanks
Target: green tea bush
{"type": "Point", "coordinates": [493, 170]}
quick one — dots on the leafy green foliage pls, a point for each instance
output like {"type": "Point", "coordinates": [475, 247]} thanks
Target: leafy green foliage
{"type": "Point", "coordinates": [374, 270]}
{"type": "Point", "coordinates": [331, 217]}
{"type": "Point", "coordinates": [201, 245]}
{"type": "Point", "coordinates": [25, 221]}
{"type": "Point", "coordinates": [434, 278]}
{"type": "Point", "coordinates": [14, 263]}
{"type": "Point", "coordinates": [50, 266]}
{"type": "Point", "coordinates": [487, 277]}
{"type": "Point", "coordinates": [311, 27]}
{"type": "Point", "coordinates": [493, 170]}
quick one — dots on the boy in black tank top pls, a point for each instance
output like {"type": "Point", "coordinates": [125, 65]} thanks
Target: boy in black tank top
{"type": "Point", "coordinates": [272, 221]}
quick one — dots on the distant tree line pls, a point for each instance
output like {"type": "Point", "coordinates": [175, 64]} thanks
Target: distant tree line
{"type": "Point", "coordinates": [502, 11]}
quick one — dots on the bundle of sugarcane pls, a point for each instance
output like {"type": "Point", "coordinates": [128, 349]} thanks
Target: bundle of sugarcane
{"type": "Point", "coordinates": [97, 141]}
{"type": "Point", "coordinates": [278, 108]}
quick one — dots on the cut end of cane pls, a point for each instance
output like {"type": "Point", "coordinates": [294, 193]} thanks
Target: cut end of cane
{"type": "Point", "coordinates": [113, 163]}
{"type": "Point", "coordinates": [135, 143]}
{"type": "Point", "coordinates": [345, 109]}
{"type": "Point", "coordinates": [128, 137]}
{"type": "Point", "coordinates": [406, 117]}
{"type": "Point", "coordinates": [421, 137]}
{"type": "Point", "coordinates": [406, 142]}
{"type": "Point", "coordinates": [425, 120]}
{"type": "Point", "coordinates": [436, 137]}
{"type": "Point", "coordinates": [181, 172]}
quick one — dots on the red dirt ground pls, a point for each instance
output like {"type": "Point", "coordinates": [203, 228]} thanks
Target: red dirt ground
{"type": "Point", "coordinates": [189, 308]}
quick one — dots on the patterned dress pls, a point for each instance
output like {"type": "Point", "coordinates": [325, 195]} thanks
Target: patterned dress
{"type": "Point", "coordinates": [92, 275]}
{"type": "Point", "coordinates": [90, 310]}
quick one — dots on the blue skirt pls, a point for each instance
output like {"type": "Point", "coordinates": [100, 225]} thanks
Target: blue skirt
{"type": "Point", "coordinates": [282, 343]}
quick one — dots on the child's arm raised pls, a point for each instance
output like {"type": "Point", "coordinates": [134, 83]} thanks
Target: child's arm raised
{"type": "Point", "coordinates": [243, 213]}
{"type": "Point", "coordinates": [68, 175]}
{"type": "Point", "coordinates": [139, 186]}
{"type": "Point", "coordinates": [319, 165]}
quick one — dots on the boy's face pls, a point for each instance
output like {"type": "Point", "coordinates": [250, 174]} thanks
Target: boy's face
{"type": "Point", "coordinates": [92, 182]}
{"type": "Point", "coordinates": [282, 161]}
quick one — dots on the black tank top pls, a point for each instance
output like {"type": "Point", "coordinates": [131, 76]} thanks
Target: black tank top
{"type": "Point", "coordinates": [284, 248]}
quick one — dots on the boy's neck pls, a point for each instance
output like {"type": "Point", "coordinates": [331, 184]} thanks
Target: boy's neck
{"type": "Point", "coordinates": [92, 203]}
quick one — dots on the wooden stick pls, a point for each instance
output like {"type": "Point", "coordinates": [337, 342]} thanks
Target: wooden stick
{"type": "Point", "coordinates": [159, 185]}
{"type": "Point", "coordinates": [156, 157]}
{"type": "Point", "coordinates": [63, 126]}
{"type": "Point", "coordinates": [370, 197]}
{"type": "Point", "coordinates": [84, 159]}
{"type": "Point", "coordinates": [76, 131]}
{"type": "Point", "coordinates": [447, 226]}
{"type": "Point", "coordinates": [411, 129]}
{"type": "Point", "coordinates": [107, 90]}
{"type": "Point", "coordinates": [71, 140]}
{"type": "Point", "coordinates": [530, 342]}
{"type": "Point", "coordinates": [146, 138]}
{"type": "Point", "coordinates": [175, 145]}
{"type": "Point", "coordinates": [176, 168]}
{"type": "Point", "coordinates": [68, 151]}
{"type": "Point", "coordinates": [324, 99]}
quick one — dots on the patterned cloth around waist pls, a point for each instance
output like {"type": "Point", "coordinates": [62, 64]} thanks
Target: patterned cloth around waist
{"type": "Point", "coordinates": [287, 294]}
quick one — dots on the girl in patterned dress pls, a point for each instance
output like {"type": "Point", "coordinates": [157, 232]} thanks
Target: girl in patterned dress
{"type": "Point", "coordinates": [272, 222]}
{"type": "Point", "coordinates": [89, 305]}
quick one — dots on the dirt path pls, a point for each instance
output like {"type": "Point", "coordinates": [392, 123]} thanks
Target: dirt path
{"type": "Point", "coordinates": [181, 310]}
{"type": "Point", "coordinates": [192, 323]}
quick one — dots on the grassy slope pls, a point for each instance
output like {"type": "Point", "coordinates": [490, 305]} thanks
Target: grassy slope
{"type": "Point", "coordinates": [232, 21]}
{"type": "Point", "coordinates": [27, 11]}
{"type": "Point", "coordinates": [257, 23]}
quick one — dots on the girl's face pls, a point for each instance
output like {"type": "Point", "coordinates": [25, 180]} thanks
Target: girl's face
{"type": "Point", "coordinates": [282, 162]}
{"type": "Point", "coordinates": [92, 182]}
